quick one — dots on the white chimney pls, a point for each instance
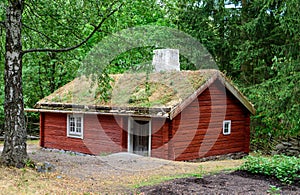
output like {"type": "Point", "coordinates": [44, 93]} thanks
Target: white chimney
{"type": "Point", "coordinates": [166, 60]}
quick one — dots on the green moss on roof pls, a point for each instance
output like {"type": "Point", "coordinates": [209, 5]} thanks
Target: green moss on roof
{"type": "Point", "coordinates": [160, 89]}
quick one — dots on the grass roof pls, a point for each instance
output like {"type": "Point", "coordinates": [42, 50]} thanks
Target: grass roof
{"type": "Point", "coordinates": [153, 90]}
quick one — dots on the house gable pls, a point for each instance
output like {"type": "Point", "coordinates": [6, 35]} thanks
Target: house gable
{"type": "Point", "coordinates": [197, 131]}
{"type": "Point", "coordinates": [218, 76]}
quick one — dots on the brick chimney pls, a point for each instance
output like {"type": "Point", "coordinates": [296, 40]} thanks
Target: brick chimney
{"type": "Point", "coordinates": [166, 60]}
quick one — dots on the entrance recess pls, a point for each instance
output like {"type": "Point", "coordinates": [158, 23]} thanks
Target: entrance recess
{"type": "Point", "coordinates": [139, 136]}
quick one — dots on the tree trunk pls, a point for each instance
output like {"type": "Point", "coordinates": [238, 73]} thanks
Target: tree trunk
{"type": "Point", "coordinates": [14, 152]}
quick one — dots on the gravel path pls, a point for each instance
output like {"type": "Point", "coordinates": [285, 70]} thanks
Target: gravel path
{"type": "Point", "coordinates": [113, 164]}
{"type": "Point", "coordinates": [116, 173]}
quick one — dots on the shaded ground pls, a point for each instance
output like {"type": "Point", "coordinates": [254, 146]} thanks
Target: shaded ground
{"type": "Point", "coordinates": [238, 182]}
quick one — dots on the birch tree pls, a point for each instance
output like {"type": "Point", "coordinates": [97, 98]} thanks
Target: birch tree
{"type": "Point", "coordinates": [15, 151]}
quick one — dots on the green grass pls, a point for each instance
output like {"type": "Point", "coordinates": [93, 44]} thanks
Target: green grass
{"type": "Point", "coordinates": [159, 179]}
{"type": "Point", "coordinates": [31, 142]}
{"type": "Point", "coordinates": [199, 174]}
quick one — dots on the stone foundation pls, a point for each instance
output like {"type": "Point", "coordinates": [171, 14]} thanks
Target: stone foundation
{"type": "Point", "coordinates": [289, 147]}
{"type": "Point", "coordinates": [230, 156]}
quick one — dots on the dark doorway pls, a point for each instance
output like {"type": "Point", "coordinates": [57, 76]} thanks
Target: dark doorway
{"type": "Point", "coordinates": [139, 137]}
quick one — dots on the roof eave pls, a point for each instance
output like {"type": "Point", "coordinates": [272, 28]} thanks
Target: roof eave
{"type": "Point", "coordinates": [226, 82]}
{"type": "Point", "coordinates": [95, 109]}
{"type": "Point", "coordinates": [96, 113]}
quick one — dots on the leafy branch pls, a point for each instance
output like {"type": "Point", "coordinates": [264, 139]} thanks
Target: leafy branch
{"type": "Point", "coordinates": [42, 34]}
{"type": "Point", "coordinates": [96, 28]}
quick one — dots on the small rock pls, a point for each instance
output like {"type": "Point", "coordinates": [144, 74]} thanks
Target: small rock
{"type": "Point", "coordinates": [292, 153]}
{"type": "Point", "coordinates": [295, 148]}
{"type": "Point", "coordinates": [280, 147]}
{"type": "Point", "coordinates": [287, 144]}
{"type": "Point", "coordinates": [45, 167]}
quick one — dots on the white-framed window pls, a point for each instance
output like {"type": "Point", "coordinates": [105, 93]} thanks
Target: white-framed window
{"type": "Point", "coordinates": [75, 125]}
{"type": "Point", "coordinates": [226, 127]}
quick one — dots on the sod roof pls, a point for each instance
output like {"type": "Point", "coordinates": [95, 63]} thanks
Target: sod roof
{"type": "Point", "coordinates": [155, 93]}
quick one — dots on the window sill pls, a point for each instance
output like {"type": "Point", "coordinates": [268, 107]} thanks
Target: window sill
{"type": "Point", "coordinates": [75, 136]}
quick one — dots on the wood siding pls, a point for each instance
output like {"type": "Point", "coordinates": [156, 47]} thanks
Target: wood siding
{"type": "Point", "coordinates": [197, 130]}
{"type": "Point", "coordinates": [102, 134]}
{"type": "Point", "coordinates": [159, 137]}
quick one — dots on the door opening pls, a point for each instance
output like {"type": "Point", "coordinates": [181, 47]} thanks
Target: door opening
{"type": "Point", "coordinates": [139, 136]}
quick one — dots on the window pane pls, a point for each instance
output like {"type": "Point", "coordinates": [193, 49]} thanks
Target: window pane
{"type": "Point", "coordinates": [78, 125]}
{"type": "Point", "coordinates": [72, 123]}
{"type": "Point", "coordinates": [226, 127]}
{"type": "Point", "coordinates": [72, 129]}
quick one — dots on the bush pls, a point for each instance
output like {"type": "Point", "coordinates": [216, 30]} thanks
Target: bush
{"type": "Point", "coordinates": [284, 168]}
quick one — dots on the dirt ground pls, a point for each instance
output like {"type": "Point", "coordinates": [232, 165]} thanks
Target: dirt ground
{"type": "Point", "coordinates": [237, 182]}
{"type": "Point", "coordinates": [124, 173]}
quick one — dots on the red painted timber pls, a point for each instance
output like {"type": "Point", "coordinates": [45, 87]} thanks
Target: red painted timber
{"type": "Point", "coordinates": [206, 140]}
{"type": "Point", "coordinates": [101, 134]}
{"type": "Point", "coordinates": [42, 129]}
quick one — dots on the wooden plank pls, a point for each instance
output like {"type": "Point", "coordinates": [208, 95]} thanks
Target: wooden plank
{"type": "Point", "coordinates": [42, 129]}
{"type": "Point", "coordinates": [209, 148]}
{"type": "Point", "coordinates": [209, 142]}
{"type": "Point", "coordinates": [175, 111]}
{"type": "Point", "coordinates": [238, 94]}
{"type": "Point", "coordinates": [193, 155]}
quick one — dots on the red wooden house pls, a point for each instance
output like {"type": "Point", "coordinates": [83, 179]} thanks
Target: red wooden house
{"type": "Point", "coordinates": [176, 115]}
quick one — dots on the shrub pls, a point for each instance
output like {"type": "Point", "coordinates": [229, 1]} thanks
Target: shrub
{"type": "Point", "coordinates": [285, 168]}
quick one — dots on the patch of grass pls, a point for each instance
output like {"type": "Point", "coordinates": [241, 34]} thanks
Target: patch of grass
{"type": "Point", "coordinates": [29, 142]}
{"type": "Point", "coordinates": [104, 153]}
{"type": "Point", "coordinates": [159, 179]}
{"type": "Point", "coordinates": [204, 168]}
{"type": "Point", "coordinates": [284, 168]}
{"type": "Point", "coordinates": [214, 167]}
{"type": "Point", "coordinates": [273, 190]}
{"type": "Point", "coordinates": [28, 181]}
{"type": "Point", "coordinates": [33, 142]}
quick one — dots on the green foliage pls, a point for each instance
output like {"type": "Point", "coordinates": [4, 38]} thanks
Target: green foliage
{"type": "Point", "coordinates": [257, 46]}
{"type": "Point", "coordinates": [30, 164]}
{"type": "Point", "coordinates": [136, 60]}
{"type": "Point", "coordinates": [62, 24]}
{"type": "Point", "coordinates": [277, 103]}
{"type": "Point", "coordinates": [273, 190]}
{"type": "Point", "coordinates": [284, 168]}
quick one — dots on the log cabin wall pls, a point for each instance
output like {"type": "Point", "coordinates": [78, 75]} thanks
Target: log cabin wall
{"type": "Point", "coordinates": [102, 134]}
{"type": "Point", "coordinates": [42, 127]}
{"type": "Point", "coordinates": [159, 138]}
{"type": "Point", "coordinates": [55, 134]}
{"type": "Point", "coordinates": [207, 137]}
